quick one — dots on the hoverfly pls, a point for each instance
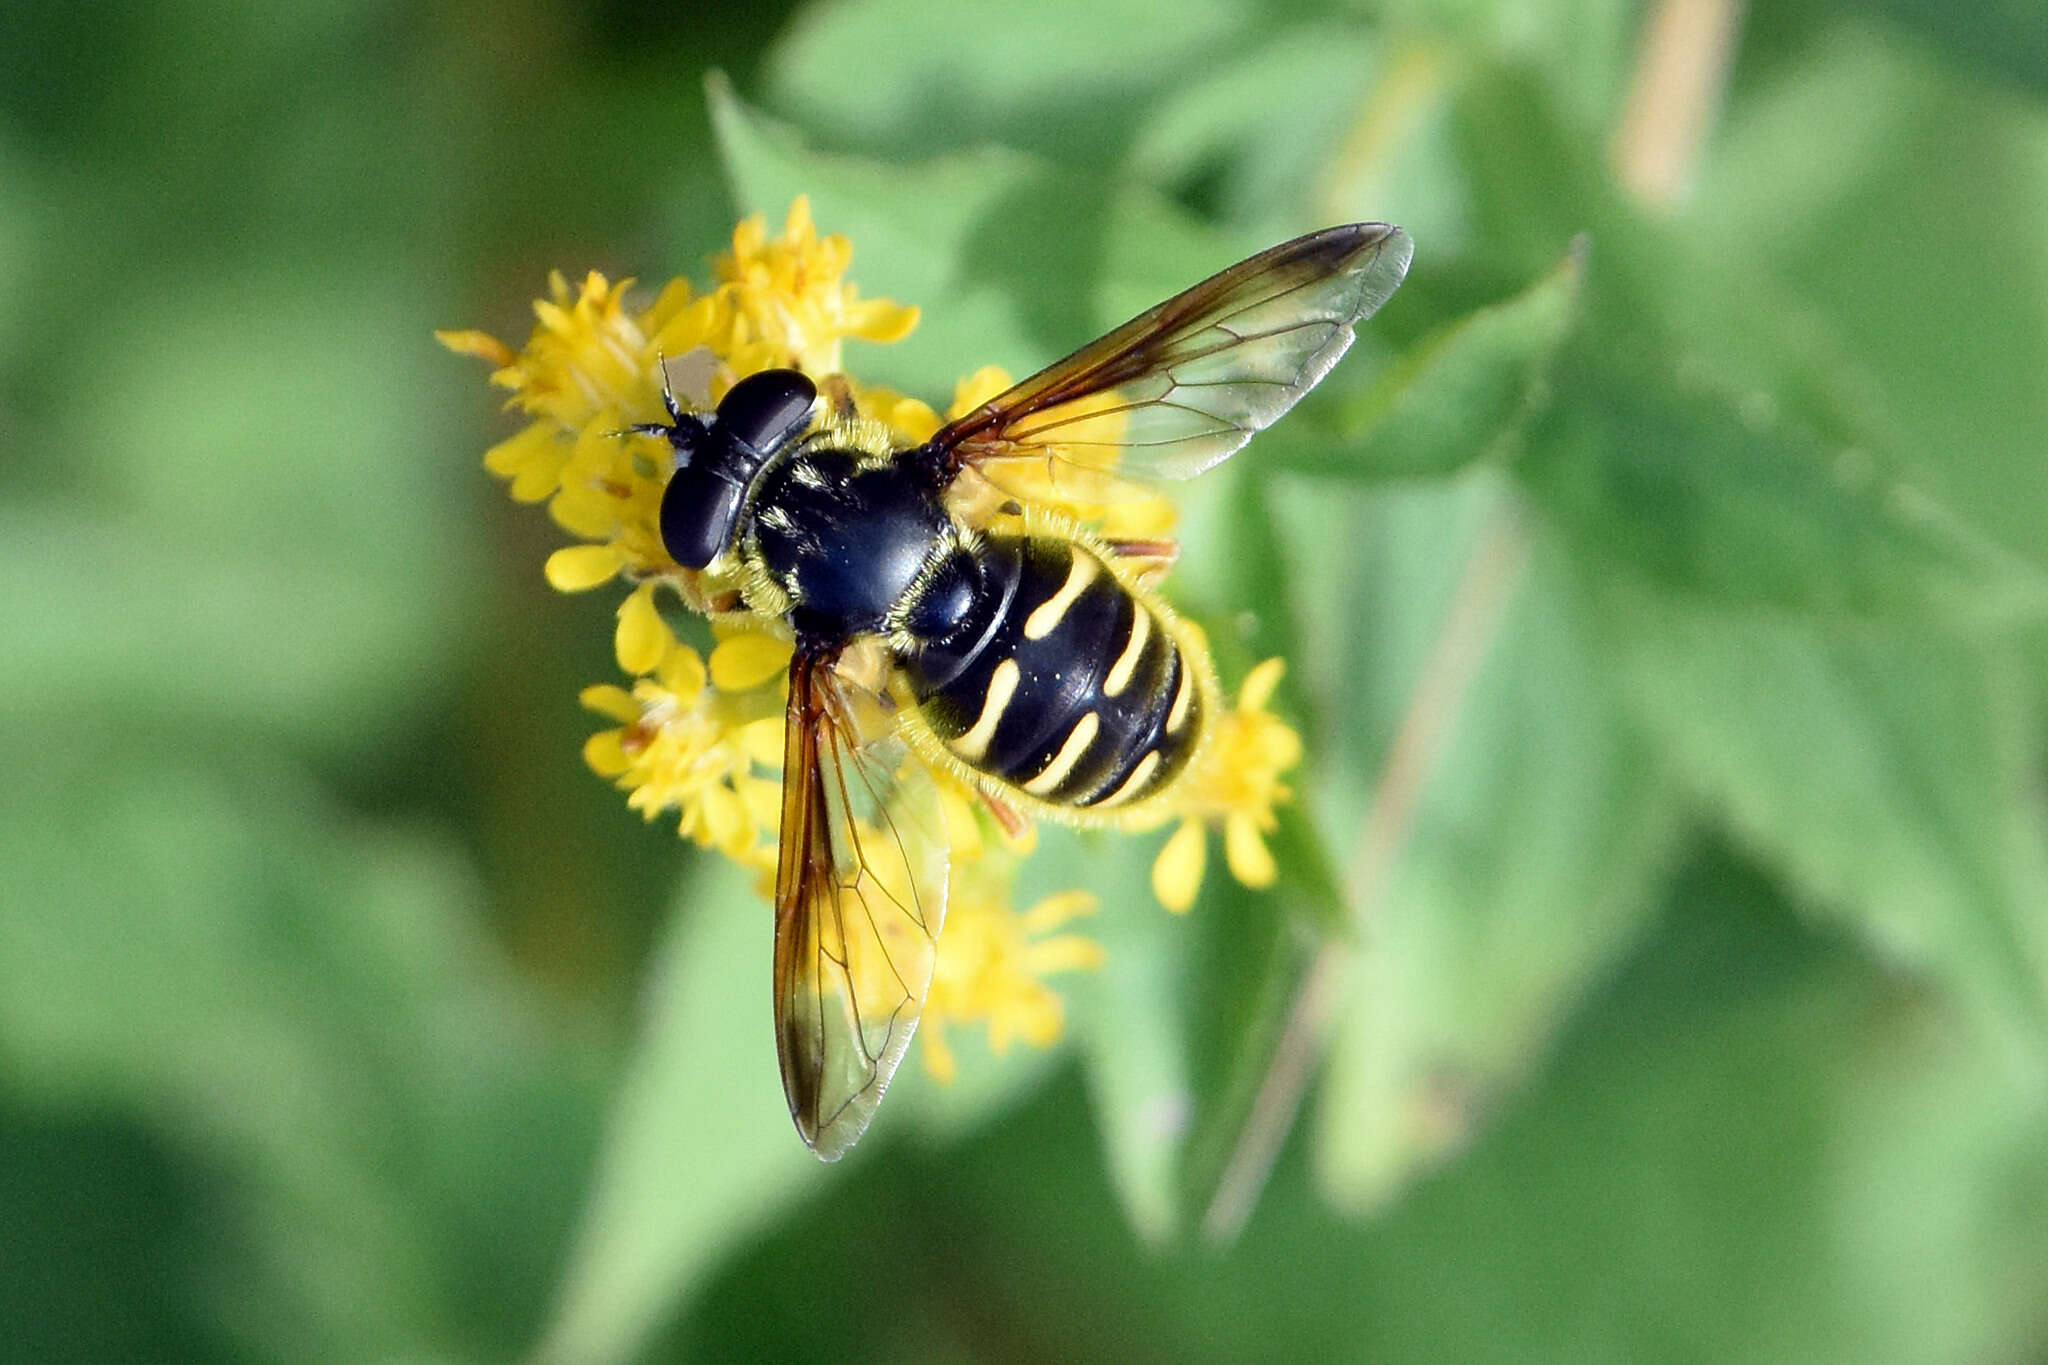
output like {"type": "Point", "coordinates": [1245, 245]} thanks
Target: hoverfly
{"type": "Point", "coordinates": [1026, 657]}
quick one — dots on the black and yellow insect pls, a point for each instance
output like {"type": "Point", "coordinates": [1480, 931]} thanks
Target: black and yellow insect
{"type": "Point", "coordinates": [1016, 650]}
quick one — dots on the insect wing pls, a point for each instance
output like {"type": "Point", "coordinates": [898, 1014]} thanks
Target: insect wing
{"type": "Point", "coordinates": [860, 891]}
{"type": "Point", "coordinates": [1183, 385]}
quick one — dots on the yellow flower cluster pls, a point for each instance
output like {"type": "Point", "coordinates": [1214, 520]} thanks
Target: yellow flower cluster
{"type": "Point", "coordinates": [698, 734]}
{"type": "Point", "coordinates": [993, 962]}
{"type": "Point", "coordinates": [1235, 784]}
{"type": "Point", "coordinates": [701, 738]}
{"type": "Point", "coordinates": [790, 307]}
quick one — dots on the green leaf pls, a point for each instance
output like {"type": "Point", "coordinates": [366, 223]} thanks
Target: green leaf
{"type": "Point", "coordinates": [1260, 139]}
{"type": "Point", "coordinates": [1064, 78]}
{"type": "Point", "coordinates": [308, 650]}
{"type": "Point", "coordinates": [1506, 846]}
{"type": "Point", "coordinates": [1581, 50]}
{"type": "Point", "coordinates": [1250, 947]}
{"type": "Point", "coordinates": [1747, 1112]}
{"type": "Point", "coordinates": [22, 222]}
{"type": "Point", "coordinates": [245, 422]}
{"type": "Point", "coordinates": [1130, 1024]}
{"type": "Point", "coordinates": [1884, 771]}
{"type": "Point", "coordinates": [1705, 431]}
{"type": "Point", "coordinates": [1942, 316]}
{"type": "Point", "coordinates": [1711, 495]}
{"type": "Point", "coordinates": [1746, 1116]}
{"type": "Point", "coordinates": [699, 1150]}
{"type": "Point", "coordinates": [1252, 952]}
{"type": "Point", "coordinates": [936, 1114]}
{"type": "Point", "coordinates": [305, 1000]}
{"type": "Point", "coordinates": [1464, 392]}
{"type": "Point", "coordinates": [242, 528]}
{"type": "Point", "coordinates": [2006, 38]}
{"type": "Point", "coordinates": [1518, 829]}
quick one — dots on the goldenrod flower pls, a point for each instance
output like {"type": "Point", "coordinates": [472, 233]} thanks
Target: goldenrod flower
{"type": "Point", "coordinates": [992, 963]}
{"type": "Point", "coordinates": [1235, 784]}
{"type": "Point", "coordinates": [701, 739]}
{"type": "Point", "coordinates": [792, 307]}
{"type": "Point", "coordinates": [588, 369]}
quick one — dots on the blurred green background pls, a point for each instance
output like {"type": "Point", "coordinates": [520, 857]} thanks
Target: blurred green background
{"type": "Point", "coordinates": [1657, 971]}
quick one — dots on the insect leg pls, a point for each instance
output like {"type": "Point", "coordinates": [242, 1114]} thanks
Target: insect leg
{"type": "Point", "coordinates": [1149, 559]}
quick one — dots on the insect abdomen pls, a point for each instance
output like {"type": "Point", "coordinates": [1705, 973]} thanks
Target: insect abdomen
{"type": "Point", "coordinates": [1076, 692]}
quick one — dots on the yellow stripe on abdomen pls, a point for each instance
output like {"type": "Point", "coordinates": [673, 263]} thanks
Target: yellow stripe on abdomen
{"type": "Point", "coordinates": [1078, 740]}
{"type": "Point", "coordinates": [1080, 573]}
{"type": "Point", "coordinates": [1183, 699]}
{"type": "Point", "coordinates": [1127, 662]}
{"type": "Point", "coordinates": [1002, 685]}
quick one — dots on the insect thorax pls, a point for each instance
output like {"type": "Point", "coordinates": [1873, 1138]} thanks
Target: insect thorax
{"type": "Point", "coordinates": [847, 534]}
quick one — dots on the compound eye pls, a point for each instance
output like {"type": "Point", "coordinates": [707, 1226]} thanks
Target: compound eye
{"type": "Point", "coordinates": [766, 409]}
{"type": "Point", "coordinates": [698, 513]}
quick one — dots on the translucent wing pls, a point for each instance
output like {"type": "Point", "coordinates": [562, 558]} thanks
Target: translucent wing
{"type": "Point", "coordinates": [1184, 384]}
{"type": "Point", "coordinates": [860, 890]}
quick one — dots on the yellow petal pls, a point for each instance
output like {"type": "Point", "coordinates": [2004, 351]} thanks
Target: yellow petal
{"type": "Point", "coordinates": [725, 816]}
{"type": "Point", "coordinates": [535, 479]}
{"type": "Point", "coordinates": [674, 297]}
{"type": "Point", "coordinates": [533, 460]}
{"type": "Point", "coordinates": [1024, 842]}
{"type": "Point", "coordinates": [748, 235]}
{"type": "Point", "coordinates": [1063, 953]}
{"type": "Point", "coordinates": [880, 320]}
{"type": "Point", "coordinates": [585, 510]}
{"type": "Point", "coordinates": [1280, 747]}
{"type": "Point", "coordinates": [579, 568]}
{"type": "Point", "coordinates": [797, 225]}
{"type": "Point", "coordinates": [748, 660]}
{"type": "Point", "coordinates": [1057, 909]}
{"type": "Point", "coordinates": [939, 1062]}
{"type": "Point", "coordinates": [682, 672]}
{"type": "Point", "coordinates": [606, 754]}
{"type": "Point", "coordinates": [1259, 684]}
{"type": "Point", "coordinates": [763, 798]}
{"type": "Point", "coordinates": [1036, 1015]}
{"type": "Point", "coordinates": [906, 416]}
{"type": "Point", "coordinates": [1177, 871]}
{"type": "Point", "coordinates": [482, 345]}
{"type": "Point", "coordinates": [704, 323]}
{"type": "Point", "coordinates": [553, 317]}
{"type": "Point", "coordinates": [1251, 862]}
{"type": "Point", "coordinates": [977, 388]}
{"type": "Point", "coordinates": [963, 831]}
{"type": "Point", "coordinates": [762, 741]}
{"type": "Point", "coordinates": [608, 700]}
{"type": "Point", "coordinates": [643, 638]}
